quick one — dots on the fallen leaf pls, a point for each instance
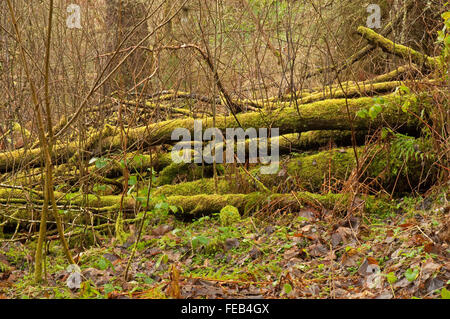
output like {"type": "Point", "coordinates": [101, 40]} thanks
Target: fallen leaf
{"type": "Point", "coordinates": [317, 250]}
{"type": "Point", "coordinates": [429, 268]}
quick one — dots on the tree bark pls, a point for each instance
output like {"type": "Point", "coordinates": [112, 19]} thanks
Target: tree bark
{"type": "Point", "coordinates": [397, 49]}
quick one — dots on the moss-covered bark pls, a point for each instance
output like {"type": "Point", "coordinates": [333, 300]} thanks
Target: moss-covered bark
{"type": "Point", "coordinates": [154, 106]}
{"type": "Point", "coordinates": [314, 172]}
{"type": "Point", "coordinates": [31, 157]}
{"type": "Point", "coordinates": [322, 115]}
{"type": "Point", "coordinates": [350, 91]}
{"type": "Point", "coordinates": [398, 49]}
{"type": "Point", "coordinates": [191, 206]}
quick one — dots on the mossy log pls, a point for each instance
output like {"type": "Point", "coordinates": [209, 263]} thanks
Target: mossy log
{"type": "Point", "coordinates": [20, 158]}
{"type": "Point", "coordinates": [322, 115]}
{"type": "Point", "coordinates": [170, 172]}
{"type": "Point", "coordinates": [154, 106]}
{"type": "Point", "coordinates": [396, 74]}
{"type": "Point", "coordinates": [315, 172]}
{"type": "Point", "coordinates": [303, 96]}
{"type": "Point", "coordinates": [287, 143]}
{"type": "Point", "coordinates": [338, 68]}
{"type": "Point", "coordinates": [169, 95]}
{"type": "Point", "coordinates": [189, 206]}
{"type": "Point", "coordinates": [398, 49]}
{"type": "Point", "coordinates": [350, 91]}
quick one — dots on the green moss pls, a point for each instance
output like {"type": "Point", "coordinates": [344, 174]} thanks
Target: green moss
{"type": "Point", "coordinates": [170, 173]}
{"type": "Point", "coordinates": [4, 267]}
{"type": "Point", "coordinates": [229, 215]}
{"type": "Point", "coordinates": [379, 207]}
{"type": "Point", "coordinates": [311, 170]}
{"type": "Point", "coordinates": [397, 49]}
{"type": "Point", "coordinates": [198, 187]}
{"type": "Point", "coordinates": [361, 89]}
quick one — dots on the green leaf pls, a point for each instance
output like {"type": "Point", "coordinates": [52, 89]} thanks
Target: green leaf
{"type": "Point", "coordinates": [142, 200]}
{"type": "Point", "coordinates": [391, 278]}
{"type": "Point", "coordinates": [132, 180]}
{"type": "Point", "coordinates": [162, 206]}
{"type": "Point", "coordinates": [377, 108]}
{"type": "Point", "coordinates": [161, 260]}
{"type": "Point", "coordinates": [101, 162]}
{"type": "Point", "coordinates": [372, 113]}
{"type": "Point", "coordinates": [445, 294]}
{"type": "Point", "coordinates": [130, 190]}
{"type": "Point", "coordinates": [199, 240]}
{"type": "Point", "coordinates": [362, 114]}
{"type": "Point", "coordinates": [103, 264]}
{"type": "Point", "coordinates": [287, 288]}
{"type": "Point", "coordinates": [446, 15]}
{"type": "Point", "coordinates": [173, 208]}
{"type": "Point", "coordinates": [139, 159]}
{"type": "Point", "coordinates": [411, 274]}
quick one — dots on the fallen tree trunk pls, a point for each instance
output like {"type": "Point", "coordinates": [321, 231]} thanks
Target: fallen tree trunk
{"type": "Point", "coordinates": [361, 88]}
{"type": "Point", "coordinates": [322, 115]}
{"type": "Point", "coordinates": [352, 91]}
{"type": "Point", "coordinates": [10, 161]}
{"type": "Point", "coordinates": [399, 50]}
{"type": "Point", "coordinates": [194, 206]}
{"type": "Point", "coordinates": [170, 172]}
{"type": "Point", "coordinates": [154, 106]}
{"type": "Point", "coordinates": [392, 25]}
{"type": "Point", "coordinates": [323, 171]}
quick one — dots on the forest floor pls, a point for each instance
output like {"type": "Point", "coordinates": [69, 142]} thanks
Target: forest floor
{"type": "Point", "coordinates": [402, 253]}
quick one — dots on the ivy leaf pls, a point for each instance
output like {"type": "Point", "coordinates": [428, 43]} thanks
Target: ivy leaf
{"type": "Point", "coordinates": [391, 278]}
{"type": "Point", "coordinates": [411, 274]}
{"type": "Point", "coordinates": [445, 294]}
